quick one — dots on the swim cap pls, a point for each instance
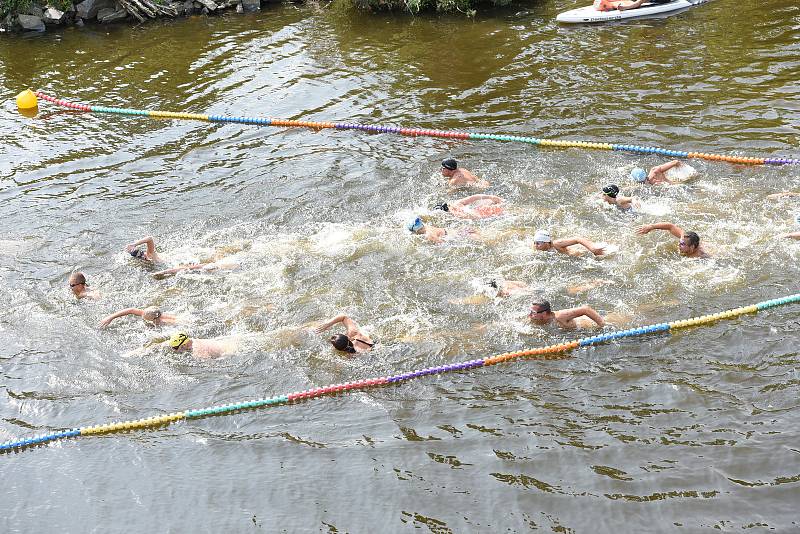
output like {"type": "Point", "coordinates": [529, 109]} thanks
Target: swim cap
{"type": "Point", "coordinates": [638, 175]}
{"type": "Point", "coordinates": [416, 225]}
{"type": "Point", "coordinates": [177, 340]}
{"type": "Point", "coordinates": [450, 164]}
{"type": "Point", "coordinates": [443, 206]}
{"type": "Point", "coordinates": [797, 217]}
{"type": "Point", "coordinates": [611, 190]}
{"type": "Point", "coordinates": [343, 343]}
{"type": "Point", "coordinates": [542, 236]}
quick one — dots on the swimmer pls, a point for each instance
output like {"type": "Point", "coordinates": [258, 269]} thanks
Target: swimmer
{"type": "Point", "coordinates": [792, 235]}
{"type": "Point", "coordinates": [507, 288]}
{"type": "Point", "coordinates": [542, 241]}
{"type": "Point", "coordinates": [474, 207]}
{"type": "Point", "coordinates": [353, 341]}
{"type": "Point", "coordinates": [78, 286]}
{"type": "Point", "coordinates": [570, 319]}
{"type": "Point", "coordinates": [658, 174]}
{"type": "Point", "coordinates": [203, 349]}
{"type": "Point", "coordinates": [494, 288]}
{"type": "Point", "coordinates": [783, 194]}
{"type": "Point", "coordinates": [205, 267]}
{"type": "Point", "coordinates": [435, 234]}
{"type": "Point", "coordinates": [611, 196]}
{"type": "Point", "coordinates": [151, 316]}
{"type": "Point", "coordinates": [148, 254]}
{"type": "Point", "coordinates": [456, 177]}
{"type": "Point", "coordinates": [688, 244]}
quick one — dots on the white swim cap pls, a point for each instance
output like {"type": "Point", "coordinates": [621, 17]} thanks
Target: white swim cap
{"type": "Point", "coordinates": [542, 236]}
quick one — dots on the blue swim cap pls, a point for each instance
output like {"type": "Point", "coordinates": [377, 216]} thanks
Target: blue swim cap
{"type": "Point", "coordinates": [415, 225]}
{"type": "Point", "coordinates": [797, 218]}
{"type": "Point", "coordinates": [638, 175]}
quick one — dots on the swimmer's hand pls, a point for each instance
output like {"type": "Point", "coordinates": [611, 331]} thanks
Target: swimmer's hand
{"type": "Point", "coordinates": [129, 247]}
{"type": "Point", "coordinates": [160, 275]}
{"type": "Point", "coordinates": [598, 250]}
{"type": "Point", "coordinates": [773, 196]}
{"type": "Point", "coordinates": [106, 321]}
{"type": "Point", "coordinates": [644, 229]}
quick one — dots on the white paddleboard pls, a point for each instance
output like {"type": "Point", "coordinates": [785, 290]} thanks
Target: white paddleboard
{"type": "Point", "coordinates": [590, 14]}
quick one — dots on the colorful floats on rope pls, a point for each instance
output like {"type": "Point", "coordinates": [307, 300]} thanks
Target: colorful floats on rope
{"type": "Point", "coordinates": [27, 101]}
{"type": "Point", "coordinates": [552, 352]}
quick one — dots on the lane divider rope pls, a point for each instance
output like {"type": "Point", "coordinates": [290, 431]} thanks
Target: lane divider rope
{"type": "Point", "coordinates": [551, 352]}
{"type": "Point", "coordinates": [419, 132]}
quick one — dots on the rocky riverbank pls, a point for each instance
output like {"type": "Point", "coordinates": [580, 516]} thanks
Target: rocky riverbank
{"type": "Point", "coordinates": [33, 16]}
{"type": "Point", "coordinates": [38, 15]}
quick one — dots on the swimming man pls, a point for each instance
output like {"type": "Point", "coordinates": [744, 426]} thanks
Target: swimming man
{"type": "Point", "coordinates": [659, 173]}
{"type": "Point", "coordinates": [474, 207]}
{"type": "Point", "coordinates": [434, 234]}
{"type": "Point", "coordinates": [456, 177]}
{"type": "Point", "coordinates": [151, 315]}
{"type": "Point", "coordinates": [78, 286]}
{"type": "Point", "coordinates": [611, 196]}
{"type": "Point", "coordinates": [570, 319]}
{"type": "Point", "coordinates": [352, 341]}
{"type": "Point", "coordinates": [542, 241]}
{"type": "Point", "coordinates": [688, 242]}
{"type": "Point", "coordinates": [203, 349]}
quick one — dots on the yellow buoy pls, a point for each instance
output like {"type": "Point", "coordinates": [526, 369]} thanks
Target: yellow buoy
{"type": "Point", "coordinates": [27, 100]}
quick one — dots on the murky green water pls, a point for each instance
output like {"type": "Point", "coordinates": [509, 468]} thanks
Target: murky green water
{"type": "Point", "coordinates": [688, 432]}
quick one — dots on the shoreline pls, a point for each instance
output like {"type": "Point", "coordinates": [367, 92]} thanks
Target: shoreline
{"type": "Point", "coordinates": [36, 16]}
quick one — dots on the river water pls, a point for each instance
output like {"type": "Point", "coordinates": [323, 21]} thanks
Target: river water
{"type": "Point", "coordinates": [687, 432]}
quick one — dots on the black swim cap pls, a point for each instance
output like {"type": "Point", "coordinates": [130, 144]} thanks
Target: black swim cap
{"type": "Point", "coordinates": [342, 342]}
{"type": "Point", "coordinates": [450, 164]}
{"type": "Point", "coordinates": [443, 206]}
{"type": "Point", "coordinates": [611, 190]}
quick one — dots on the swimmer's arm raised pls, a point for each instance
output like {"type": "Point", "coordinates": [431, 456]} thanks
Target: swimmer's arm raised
{"type": "Point", "coordinates": [127, 311]}
{"type": "Point", "coordinates": [588, 245]}
{"type": "Point", "coordinates": [660, 169]}
{"type": "Point", "coordinates": [675, 230]}
{"type": "Point", "coordinates": [348, 323]}
{"type": "Point", "coordinates": [588, 311]}
{"type": "Point", "coordinates": [149, 241]}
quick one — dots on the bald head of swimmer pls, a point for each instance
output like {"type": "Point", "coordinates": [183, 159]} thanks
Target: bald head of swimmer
{"type": "Point", "coordinates": [151, 315]}
{"type": "Point", "coordinates": [77, 283]}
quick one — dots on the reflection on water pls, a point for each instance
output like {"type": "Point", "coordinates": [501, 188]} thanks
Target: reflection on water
{"type": "Point", "coordinates": [694, 429]}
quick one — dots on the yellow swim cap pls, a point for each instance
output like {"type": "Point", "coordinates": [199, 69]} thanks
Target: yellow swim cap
{"type": "Point", "coordinates": [177, 340]}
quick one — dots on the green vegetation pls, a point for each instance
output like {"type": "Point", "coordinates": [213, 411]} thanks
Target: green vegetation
{"type": "Point", "coordinates": [61, 5]}
{"type": "Point", "coordinates": [14, 6]}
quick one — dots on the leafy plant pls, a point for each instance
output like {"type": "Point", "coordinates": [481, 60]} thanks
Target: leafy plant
{"type": "Point", "coordinates": [14, 6]}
